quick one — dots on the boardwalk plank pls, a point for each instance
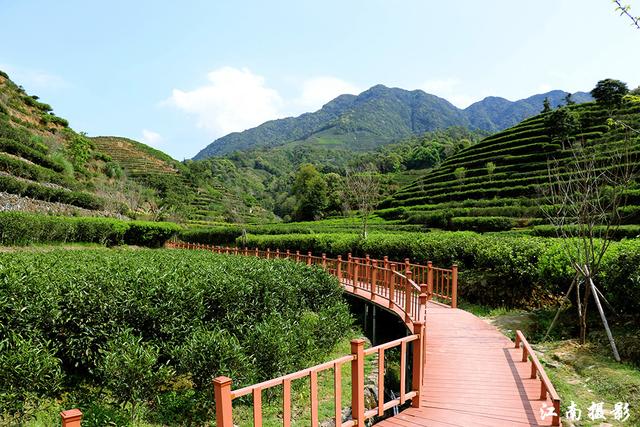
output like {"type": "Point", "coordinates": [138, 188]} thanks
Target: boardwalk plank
{"type": "Point", "coordinates": [473, 377]}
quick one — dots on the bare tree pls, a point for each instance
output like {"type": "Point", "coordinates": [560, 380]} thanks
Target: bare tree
{"type": "Point", "coordinates": [362, 187]}
{"type": "Point", "coordinates": [624, 9]}
{"type": "Point", "coordinates": [584, 197]}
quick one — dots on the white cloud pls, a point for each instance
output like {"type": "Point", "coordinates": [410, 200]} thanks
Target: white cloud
{"type": "Point", "coordinates": [151, 138]}
{"type": "Point", "coordinates": [233, 100]}
{"type": "Point", "coordinates": [318, 91]}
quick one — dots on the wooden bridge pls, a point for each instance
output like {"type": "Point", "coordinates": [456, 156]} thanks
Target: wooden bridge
{"type": "Point", "coordinates": [455, 369]}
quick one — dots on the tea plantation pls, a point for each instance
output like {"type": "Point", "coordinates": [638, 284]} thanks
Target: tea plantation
{"type": "Point", "coordinates": [101, 329]}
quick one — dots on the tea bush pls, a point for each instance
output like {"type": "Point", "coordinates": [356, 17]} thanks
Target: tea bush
{"type": "Point", "coordinates": [21, 228]}
{"type": "Point", "coordinates": [134, 322]}
{"type": "Point", "coordinates": [496, 269]}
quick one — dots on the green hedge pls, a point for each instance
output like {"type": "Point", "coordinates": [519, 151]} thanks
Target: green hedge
{"type": "Point", "coordinates": [18, 149]}
{"type": "Point", "coordinates": [483, 223]}
{"type": "Point", "coordinates": [495, 269]}
{"type": "Point", "coordinates": [20, 228]}
{"type": "Point", "coordinates": [147, 325]}
{"type": "Point", "coordinates": [33, 172]}
{"type": "Point", "coordinates": [40, 192]}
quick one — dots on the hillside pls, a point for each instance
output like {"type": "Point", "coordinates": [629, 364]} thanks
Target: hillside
{"type": "Point", "coordinates": [381, 115]}
{"type": "Point", "coordinates": [500, 178]}
{"type": "Point", "coordinates": [45, 166]}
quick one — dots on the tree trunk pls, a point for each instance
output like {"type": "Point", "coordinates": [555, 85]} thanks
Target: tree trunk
{"type": "Point", "coordinates": [612, 342]}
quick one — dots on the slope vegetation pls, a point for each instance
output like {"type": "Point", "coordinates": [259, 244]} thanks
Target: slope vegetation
{"type": "Point", "coordinates": [500, 178]}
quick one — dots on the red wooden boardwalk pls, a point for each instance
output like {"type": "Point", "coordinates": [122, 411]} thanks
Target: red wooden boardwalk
{"type": "Point", "coordinates": [473, 377]}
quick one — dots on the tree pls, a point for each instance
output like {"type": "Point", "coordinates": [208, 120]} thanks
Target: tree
{"type": "Point", "coordinates": [636, 91]}
{"type": "Point", "coordinates": [624, 9]}
{"type": "Point", "coordinates": [546, 105]}
{"type": "Point", "coordinates": [310, 190]}
{"type": "Point", "coordinates": [460, 173]}
{"type": "Point", "coordinates": [363, 190]}
{"type": "Point", "coordinates": [491, 167]}
{"type": "Point", "coordinates": [568, 100]}
{"type": "Point", "coordinates": [609, 92]}
{"type": "Point", "coordinates": [562, 124]}
{"type": "Point", "coordinates": [585, 195]}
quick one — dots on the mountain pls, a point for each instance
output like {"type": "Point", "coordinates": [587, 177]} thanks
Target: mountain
{"type": "Point", "coordinates": [381, 115]}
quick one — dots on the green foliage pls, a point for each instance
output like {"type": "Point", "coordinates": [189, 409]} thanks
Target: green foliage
{"type": "Point", "coordinates": [546, 106]}
{"type": "Point", "coordinates": [29, 153]}
{"type": "Point", "coordinates": [310, 190]}
{"type": "Point", "coordinates": [36, 191]}
{"type": "Point", "coordinates": [131, 370]}
{"type": "Point", "coordinates": [609, 92]}
{"type": "Point", "coordinates": [130, 321]}
{"type": "Point", "coordinates": [21, 228]}
{"type": "Point", "coordinates": [79, 150]}
{"type": "Point", "coordinates": [496, 269]}
{"type": "Point", "coordinates": [483, 223]}
{"type": "Point", "coordinates": [27, 365]}
{"type": "Point", "coordinates": [460, 173]}
{"type": "Point", "coordinates": [562, 124]}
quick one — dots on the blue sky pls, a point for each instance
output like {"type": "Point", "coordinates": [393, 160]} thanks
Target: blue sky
{"type": "Point", "coordinates": [177, 75]}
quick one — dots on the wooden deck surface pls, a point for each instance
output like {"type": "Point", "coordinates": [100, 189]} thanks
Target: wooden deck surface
{"type": "Point", "coordinates": [473, 377]}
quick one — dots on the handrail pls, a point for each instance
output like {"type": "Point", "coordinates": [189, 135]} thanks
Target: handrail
{"type": "Point", "coordinates": [403, 287]}
{"type": "Point", "coordinates": [546, 387]}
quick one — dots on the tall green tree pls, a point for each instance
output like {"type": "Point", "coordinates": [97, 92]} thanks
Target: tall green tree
{"type": "Point", "coordinates": [546, 105]}
{"type": "Point", "coordinates": [310, 190]}
{"type": "Point", "coordinates": [609, 92]}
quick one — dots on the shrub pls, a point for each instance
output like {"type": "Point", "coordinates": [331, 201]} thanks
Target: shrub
{"type": "Point", "coordinates": [29, 153]}
{"type": "Point", "coordinates": [483, 223]}
{"type": "Point", "coordinates": [40, 192]}
{"type": "Point", "coordinates": [21, 228]}
{"type": "Point", "coordinates": [125, 320]}
{"type": "Point", "coordinates": [495, 269]}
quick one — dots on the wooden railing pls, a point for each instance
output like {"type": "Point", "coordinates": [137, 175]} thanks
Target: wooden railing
{"type": "Point", "coordinates": [402, 287]}
{"type": "Point", "coordinates": [546, 388]}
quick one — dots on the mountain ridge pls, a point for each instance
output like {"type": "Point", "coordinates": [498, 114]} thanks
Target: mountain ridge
{"type": "Point", "coordinates": [381, 115]}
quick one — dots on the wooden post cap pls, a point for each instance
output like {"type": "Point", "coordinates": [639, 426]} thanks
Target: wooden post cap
{"type": "Point", "coordinates": [71, 418]}
{"type": "Point", "coordinates": [222, 380]}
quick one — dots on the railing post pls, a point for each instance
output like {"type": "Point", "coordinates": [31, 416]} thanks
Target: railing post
{"type": "Point", "coordinates": [246, 251]}
{"type": "Point", "coordinates": [71, 418]}
{"type": "Point", "coordinates": [224, 408]}
{"type": "Point", "coordinates": [392, 286]}
{"type": "Point", "coordinates": [288, 254]}
{"type": "Point", "coordinates": [324, 261]}
{"type": "Point", "coordinates": [367, 268]}
{"type": "Point", "coordinates": [278, 253]}
{"type": "Point", "coordinates": [424, 297]}
{"type": "Point", "coordinates": [257, 252]}
{"type": "Point", "coordinates": [357, 382]}
{"type": "Point", "coordinates": [309, 255]}
{"type": "Point", "coordinates": [356, 271]}
{"type": "Point", "coordinates": [350, 267]}
{"type": "Point", "coordinates": [339, 268]}
{"type": "Point", "coordinates": [430, 279]}
{"type": "Point", "coordinates": [407, 265]}
{"type": "Point", "coordinates": [454, 286]}
{"type": "Point", "coordinates": [407, 293]}
{"type": "Point", "coordinates": [374, 273]}
{"type": "Point", "coordinates": [268, 253]}
{"type": "Point", "coordinates": [297, 256]}
{"type": "Point", "coordinates": [555, 421]}
{"type": "Point", "coordinates": [417, 364]}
